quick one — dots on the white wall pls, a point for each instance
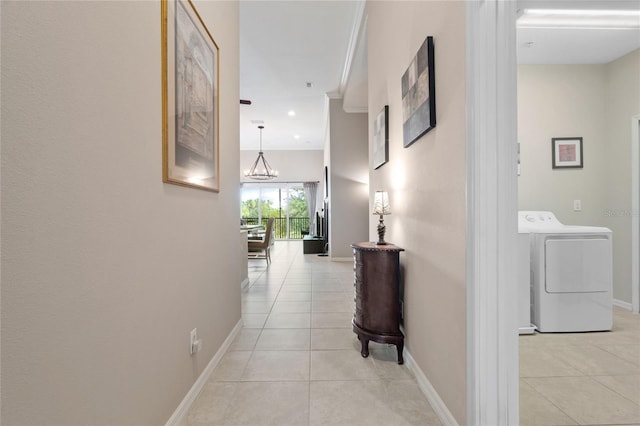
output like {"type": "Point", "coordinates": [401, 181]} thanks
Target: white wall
{"type": "Point", "coordinates": [622, 97]}
{"type": "Point", "coordinates": [348, 184]}
{"type": "Point", "coordinates": [426, 184]}
{"type": "Point", "coordinates": [293, 166]}
{"type": "Point", "coordinates": [105, 269]}
{"type": "Point", "coordinates": [597, 103]}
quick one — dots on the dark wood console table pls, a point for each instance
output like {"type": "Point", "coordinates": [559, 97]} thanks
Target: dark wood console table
{"type": "Point", "coordinates": [377, 295]}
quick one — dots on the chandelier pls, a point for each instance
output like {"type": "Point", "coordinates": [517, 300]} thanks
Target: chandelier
{"type": "Point", "coordinates": [261, 170]}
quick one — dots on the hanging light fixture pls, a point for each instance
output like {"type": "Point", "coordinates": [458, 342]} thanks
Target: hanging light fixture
{"type": "Point", "coordinates": [261, 170]}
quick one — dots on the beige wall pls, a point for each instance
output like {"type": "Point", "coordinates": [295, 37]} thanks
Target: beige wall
{"type": "Point", "coordinates": [562, 101]}
{"type": "Point", "coordinates": [597, 103]}
{"type": "Point", "coordinates": [622, 102]}
{"type": "Point", "coordinates": [426, 184]}
{"type": "Point", "coordinates": [348, 185]}
{"type": "Point", "coordinates": [292, 165]}
{"type": "Point", "coordinates": [105, 269]}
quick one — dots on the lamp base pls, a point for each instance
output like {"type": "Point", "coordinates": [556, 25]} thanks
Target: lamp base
{"type": "Point", "coordinates": [381, 231]}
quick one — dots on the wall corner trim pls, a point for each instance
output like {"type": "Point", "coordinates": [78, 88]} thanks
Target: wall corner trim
{"type": "Point", "coordinates": [356, 110]}
{"type": "Point", "coordinates": [334, 95]}
{"type": "Point", "coordinates": [635, 208]}
{"type": "Point", "coordinates": [624, 305]}
{"type": "Point", "coordinates": [492, 199]}
{"type": "Point", "coordinates": [178, 415]}
{"type": "Point", "coordinates": [356, 33]}
{"type": "Point", "coordinates": [440, 408]}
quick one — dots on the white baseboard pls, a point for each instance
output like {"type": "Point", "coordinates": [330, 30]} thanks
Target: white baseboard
{"type": "Point", "coordinates": [527, 330]}
{"type": "Point", "coordinates": [245, 284]}
{"type": "Point", "coordinates": [178, 415]}
{"type": "Point", "coordinates": [624, 305]}
{"type": "Point", "coordinates": [440, 408]}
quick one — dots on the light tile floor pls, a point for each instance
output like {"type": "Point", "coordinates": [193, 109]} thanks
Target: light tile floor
{"type": "Point", "coordinates": [297, 361]}
{"type": "Point", "coordinates": [582, 378]}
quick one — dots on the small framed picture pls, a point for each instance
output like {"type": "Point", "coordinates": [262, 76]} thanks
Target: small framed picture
{"type": "Point", "coordinates": [566, 153]}
{"type": "Point", "coordinates": [381, 138]}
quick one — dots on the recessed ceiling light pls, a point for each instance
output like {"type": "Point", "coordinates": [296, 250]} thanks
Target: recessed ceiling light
{"type": "Point", "coordinates": [292, 113]}
{"type": "Point", "coordinates": [296, 136]}
{"type": "Point", "coordinates": [569, 18]}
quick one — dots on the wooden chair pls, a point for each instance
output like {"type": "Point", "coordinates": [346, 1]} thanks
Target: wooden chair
{"type": "Point", "coordinates": [262, 248]}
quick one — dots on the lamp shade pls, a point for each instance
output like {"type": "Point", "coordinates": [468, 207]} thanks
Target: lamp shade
{"type": "Point", "coordinates": [381, 203]}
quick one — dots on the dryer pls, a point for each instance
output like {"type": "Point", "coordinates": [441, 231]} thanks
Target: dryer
{"type": "Point", "coordinates": [571, 274]}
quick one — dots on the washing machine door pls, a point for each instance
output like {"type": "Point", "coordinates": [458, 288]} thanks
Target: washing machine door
{"type": "Point", "coordinates": [578, 264]}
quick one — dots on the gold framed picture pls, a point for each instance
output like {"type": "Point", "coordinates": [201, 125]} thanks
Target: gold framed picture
{"type": "Point", "coordinates": [190, 99]}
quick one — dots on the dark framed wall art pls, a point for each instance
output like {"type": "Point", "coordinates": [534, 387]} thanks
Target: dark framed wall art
{"type": "Point", "coordinates": [381, 138]}
{"type": "Point", "coordinates": [566, 153]}
{"type": "Point", "coordinates": [190, 101]}
{"type": "Point", "coordinates": [419, 94]}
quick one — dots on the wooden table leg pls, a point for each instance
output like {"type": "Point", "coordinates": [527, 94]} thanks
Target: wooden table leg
{"type": "Point", "coordinates": [365, 346]}
{"type": "Point", "coordinates": [400, 347]}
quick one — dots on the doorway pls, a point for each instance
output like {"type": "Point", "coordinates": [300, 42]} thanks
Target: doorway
{"type": "Point", "coordinates": [581, 364]}
{"type": "Point", "coordinates": [635, 213]}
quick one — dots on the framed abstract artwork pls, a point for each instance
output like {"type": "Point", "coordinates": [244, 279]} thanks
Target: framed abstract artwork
{"type": "Point", "coordinates": [566, 153]}
{"type": "Point", "coordinates": [381, 138]}
{"type": "Point", "coordinates": [419, 95]}
{"type": "Point", "coordinates": [190, 99]}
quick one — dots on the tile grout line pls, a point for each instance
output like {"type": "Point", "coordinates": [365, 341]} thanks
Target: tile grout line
{"type": "Point", "coordinates": [318, 282]}
{"type": "Point", "coordinates": [551, 402]}
{"type": "Point", "coordinates": [611, 389]}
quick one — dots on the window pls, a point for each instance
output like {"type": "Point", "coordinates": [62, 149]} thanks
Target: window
{"type": "Point", "coordinates": [284, 202]}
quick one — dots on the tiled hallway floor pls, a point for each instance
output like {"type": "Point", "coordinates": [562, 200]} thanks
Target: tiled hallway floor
{"type": "Point", "coordinates": [582, 378]}
{"type": "Point", "coordinates": [297, 361]}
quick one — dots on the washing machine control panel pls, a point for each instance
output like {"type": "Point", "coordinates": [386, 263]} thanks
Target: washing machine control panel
{"type": "Point", "coordinates": [538, 218]}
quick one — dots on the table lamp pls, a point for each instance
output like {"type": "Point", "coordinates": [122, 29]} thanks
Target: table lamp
{"type": "Point", "coordinates": [381, 207]}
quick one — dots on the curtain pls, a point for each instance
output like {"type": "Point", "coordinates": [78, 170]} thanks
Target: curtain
{"type": "Point", "coordinates": [310, 191]}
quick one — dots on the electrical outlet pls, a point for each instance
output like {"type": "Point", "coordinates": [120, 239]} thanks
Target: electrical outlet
{"type": "Point", "coordinates": [193, 341]}
{"type": "Point", "coordinates": [577, 205]}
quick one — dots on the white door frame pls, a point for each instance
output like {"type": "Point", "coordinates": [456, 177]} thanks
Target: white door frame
{"type": "Point", "coordinates": [635, 213]}
{"type": "Point", "coordinates": [492, 325]}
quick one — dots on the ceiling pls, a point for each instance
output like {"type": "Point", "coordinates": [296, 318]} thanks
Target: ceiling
{"type": "Point", "coordinates": [286, 44]}
{"type": "Point", "coordinates": [574, 46]}
{"type": "Point", "coordinates": [544, 45]}
{"type": "Point", "coordinates": [283, 46]}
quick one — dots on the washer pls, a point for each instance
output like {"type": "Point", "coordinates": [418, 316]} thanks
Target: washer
{"type": "Point", "coordinates": [571, 274]}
